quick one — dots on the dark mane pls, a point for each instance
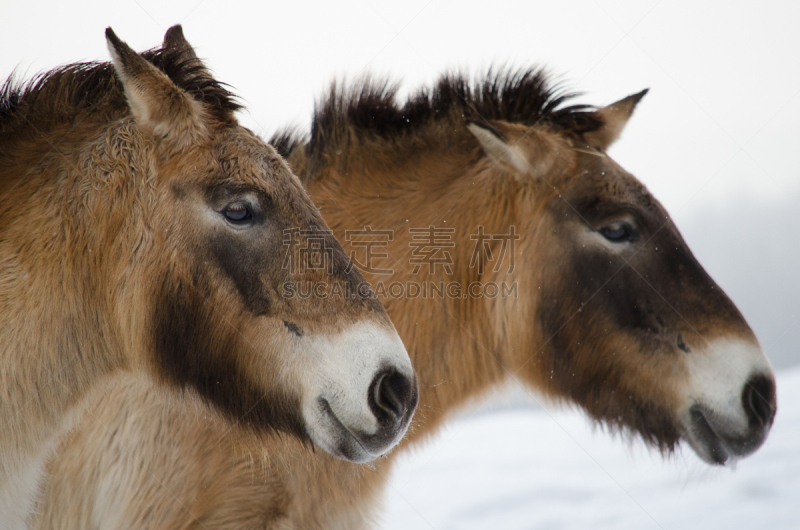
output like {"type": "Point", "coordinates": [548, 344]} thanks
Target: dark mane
{"type": "Point", "coordinates": [67, 92]}
{"type": "Point", "coordinates": [369, 109]}
{"type": "Point", "coordinates": [287, 139]}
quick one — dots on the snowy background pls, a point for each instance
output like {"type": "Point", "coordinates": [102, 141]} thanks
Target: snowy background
{"type": "Point", "coordinates": [517, 468]}
{"type": "Point", "coordinates": [715, 139]}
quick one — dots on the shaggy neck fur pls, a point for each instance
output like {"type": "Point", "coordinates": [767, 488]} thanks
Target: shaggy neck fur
{"type": "Point", "coordinates": [455, 359]}
{"type": "Point", "coordinates": [62, 247]}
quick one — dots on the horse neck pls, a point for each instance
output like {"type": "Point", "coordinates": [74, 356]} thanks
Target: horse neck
{"type": "Point", "coordinates": [56, 338]}
{"type": "Point", "coordinates": [460, 348]}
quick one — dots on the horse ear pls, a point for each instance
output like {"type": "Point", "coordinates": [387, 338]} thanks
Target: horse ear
{"type": "Point", "coordinates": [614, 118]}
{"type": "Point", "coordinates": [498, 147]}
{"type": "Point", "coordinates": [174, 40]}
{"type": "Point", "coordinates": [521, 149]}
{"type": "Point", "coordinates": [158, 105]}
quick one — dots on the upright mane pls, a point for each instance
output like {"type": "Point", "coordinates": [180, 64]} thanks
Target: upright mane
{"type": "Point", "coordinates": [368, 109]}
{"type": "Point", "coordinates": [63, 94]}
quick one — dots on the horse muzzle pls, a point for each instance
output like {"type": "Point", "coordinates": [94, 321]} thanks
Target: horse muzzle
{"type": "Point", "coordinates": [720, 438]}
{"type": "Point", "coordinates": [362, 394]}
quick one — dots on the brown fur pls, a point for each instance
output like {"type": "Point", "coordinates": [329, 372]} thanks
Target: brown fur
{"type": "Point", "coordinates": [609, 331]}
{"type": "Point", "coordinates": [112, 260]}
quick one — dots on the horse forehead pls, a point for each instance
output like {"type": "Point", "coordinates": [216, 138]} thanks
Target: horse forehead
{"type": "Point", "coordinates": [241, 157]}
{"type": "Point", "coordinates": [247, 158]}
{"type": "Point", "coordinates": [241, 145]}
{"type": "Point", "coordinates": [601, 178]}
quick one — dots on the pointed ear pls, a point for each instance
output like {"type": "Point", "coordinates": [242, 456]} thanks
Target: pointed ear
{"type": "Point", "coordinates": [158, 105]}
{"type": "Point", "coordinates": [614, 118]}
{"type": "Point", "coordinates": [498, 148]}
{"type": "Point", "coordinates": [174, 40]}
{"type": "Point", "coordinates": [518, 148]}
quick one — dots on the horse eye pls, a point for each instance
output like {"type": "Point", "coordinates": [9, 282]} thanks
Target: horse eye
{"type": "Point", "coordinates": [237, 213]}
{"type": "Point", "coordinates": [619, 233]}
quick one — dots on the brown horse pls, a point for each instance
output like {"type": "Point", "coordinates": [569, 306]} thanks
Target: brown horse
{"type": "Point", "coordinates": [604, 307]}
{"type": "Point", "coordinates": [142, 230]}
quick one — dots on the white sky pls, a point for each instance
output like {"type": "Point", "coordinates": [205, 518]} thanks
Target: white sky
{"type": "Point", "coordinates": [715, 139]}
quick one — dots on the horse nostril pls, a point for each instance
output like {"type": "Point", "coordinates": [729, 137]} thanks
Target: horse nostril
{"type": "Point", "coordinates": [389, 396]}
{"type": "Point", "coordinates": [758, 400]}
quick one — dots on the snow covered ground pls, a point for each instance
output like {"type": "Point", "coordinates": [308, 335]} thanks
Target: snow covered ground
{"type": "Point", "coordinates": [534, 468]}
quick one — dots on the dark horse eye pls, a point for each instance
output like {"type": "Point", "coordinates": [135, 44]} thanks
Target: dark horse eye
{"type": "Point", "coordinates": [237, 213]}
{"type": "Point", "coordinates": [620, 233]}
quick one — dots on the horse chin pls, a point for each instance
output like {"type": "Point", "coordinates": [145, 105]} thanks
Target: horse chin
{"type": "Point", "coordinates": [716, 440]}
{"type": "Point", "coordinates": [332, 436]}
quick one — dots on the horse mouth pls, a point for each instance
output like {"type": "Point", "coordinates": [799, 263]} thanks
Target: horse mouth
{"type": "Point", "coordinates": [711, 449]}
{"type": "Point", "coordinates": [349, 447]}
{"type": "Point", "coordinates": [710, 438]}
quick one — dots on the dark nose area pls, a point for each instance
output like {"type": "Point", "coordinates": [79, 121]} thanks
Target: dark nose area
{"type": "Point", "coordinates": [758, 399]}
{"type": "Point", "coordinates": [390, 396]}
